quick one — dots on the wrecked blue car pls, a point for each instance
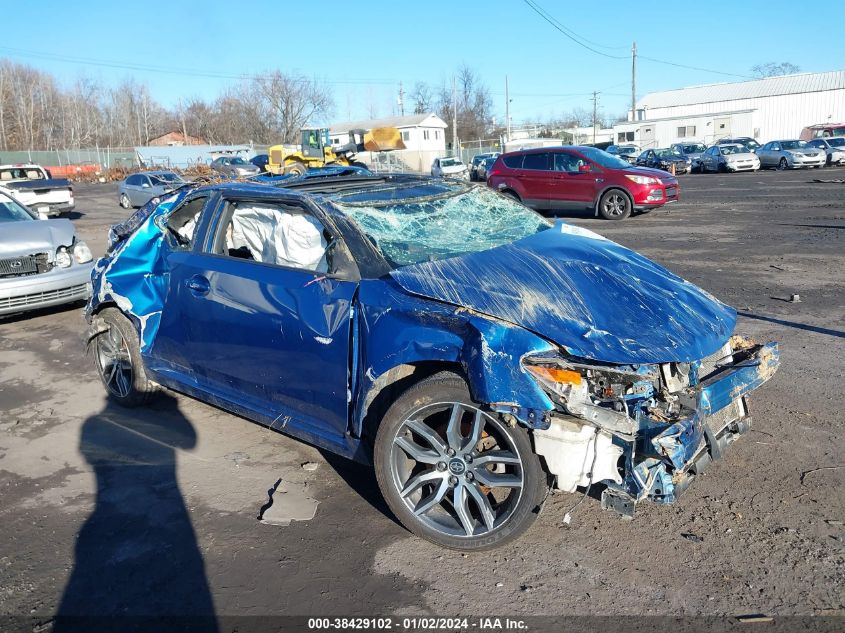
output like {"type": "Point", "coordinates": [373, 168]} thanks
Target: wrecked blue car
{"type": "Point", "coordinates": [474, 352]}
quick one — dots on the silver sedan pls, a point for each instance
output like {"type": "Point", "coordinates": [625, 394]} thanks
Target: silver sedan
{"type": "Point", "coordinates": [790, 155]}
{"type": "Point", "coordinates": [42, 263]}
{"type": "Point", "coordinates": [833, 146]}
{"type": "Point", "coordinates": [136, 190]}
{"type": "Point", "coordinates": [234, 167]}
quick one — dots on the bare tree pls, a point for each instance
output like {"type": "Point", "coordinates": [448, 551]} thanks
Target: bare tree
{"type": "Point", "coordinates": [291, 101]}
{"type": "Point", "coordinates": [773, 69]}
{"type": "Point", "coordinates": [421, 98]}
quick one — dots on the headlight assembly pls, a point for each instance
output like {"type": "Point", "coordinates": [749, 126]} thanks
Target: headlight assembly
{"type": "Point", "coordinates": [63, 259]}
{"type": "Point", "coordinates": [81, 252]}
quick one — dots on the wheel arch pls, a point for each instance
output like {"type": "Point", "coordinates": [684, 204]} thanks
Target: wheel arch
{"type": "Point", "coordinates": [486, 352]}
{"type": "Point", "coordinates": [612, 187]}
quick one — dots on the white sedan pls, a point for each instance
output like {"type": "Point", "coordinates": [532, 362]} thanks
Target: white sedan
{"type": "Point", "coordinates": [451, 167]}
{"type": "Point", "coordinates": [728, 157]}
{"type": "Point", "coordinates": [833, 146]}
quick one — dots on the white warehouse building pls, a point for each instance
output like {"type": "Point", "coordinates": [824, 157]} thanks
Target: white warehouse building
{"type": "Point", "coordinates": [764, 109]}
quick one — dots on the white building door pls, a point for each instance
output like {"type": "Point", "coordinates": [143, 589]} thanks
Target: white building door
{"type": "Point", "coordinates": [721, 128]}
{"type": "Point", "coordinates": [646, 136]}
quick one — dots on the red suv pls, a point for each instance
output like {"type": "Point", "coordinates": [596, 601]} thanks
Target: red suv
{"type": "Point", "coordinates": [581, 178]}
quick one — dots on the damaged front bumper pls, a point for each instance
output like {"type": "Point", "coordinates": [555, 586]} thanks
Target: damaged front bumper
{"type": "Point", "coordinates": [659, 456]}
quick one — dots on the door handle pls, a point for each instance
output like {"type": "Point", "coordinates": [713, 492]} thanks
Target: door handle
{"type": "Point", "coordinates": [198, 285]}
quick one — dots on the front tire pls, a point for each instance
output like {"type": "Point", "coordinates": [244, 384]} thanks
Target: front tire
{"type": "Point", "coordinates": [453, 473]}
{"type": "Point", "coordinates": [125, 202]}
{"type": "Point", "coordinates": [297, 169]}
{"type": "Point", "coordinates": [118, 359]}
{"type": "Point", "coordinates": [783, 164]}
{"type": "Point", "coordinates": [615, 205]}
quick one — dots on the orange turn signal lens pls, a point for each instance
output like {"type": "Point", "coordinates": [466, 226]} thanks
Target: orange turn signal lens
{"type": "Point", "coordinates": [554, 374]}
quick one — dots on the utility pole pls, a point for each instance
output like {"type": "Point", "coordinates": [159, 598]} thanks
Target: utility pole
{"type": "Point", "coordinates": [595, 108]}
{"type": "Point", "coordinates": [401, 100]}
{"type": "Point", "coordinates": [634, 82]}
{"type": "Point", "coordinates": [454, 119]}
{"type": "Point", "coordinates": [507, 112]}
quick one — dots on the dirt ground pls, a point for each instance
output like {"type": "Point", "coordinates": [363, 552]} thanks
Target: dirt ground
{"type": "Point", "coordinates": [154, 511]}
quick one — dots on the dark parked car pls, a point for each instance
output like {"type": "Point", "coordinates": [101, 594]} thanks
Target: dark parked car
{"type": "Point", "coordinates": [260, 161]}
{"type": "Point", "coordinates": [136, 190]}
{"type": "Point", "coordinates": [233, 166]}
{"type": "Point", "coordinates": [467, 347]}
{"type": "Point", "coordinates": [577, 177]}
{"type": "Point", "coordinates": [665, 159]}
{"type": "Point", "coordinates": [476, 161]}
{"type": "Point", "coordinates": [692, 151]}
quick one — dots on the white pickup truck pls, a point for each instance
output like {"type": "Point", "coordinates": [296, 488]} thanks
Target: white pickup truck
{"type": "Point", "coordinates": [32, 185]}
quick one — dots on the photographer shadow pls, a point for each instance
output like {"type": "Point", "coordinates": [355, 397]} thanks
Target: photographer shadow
{"type": "Point", "coordinates": [137, 557]}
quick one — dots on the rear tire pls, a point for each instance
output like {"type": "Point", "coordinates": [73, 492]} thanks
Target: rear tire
{"type": "Point", "coordinates": [454, 474]}
{"type": "Point", "coordinates": [118, 360]}
{"type": "Point", "coordinates": [615, 205]}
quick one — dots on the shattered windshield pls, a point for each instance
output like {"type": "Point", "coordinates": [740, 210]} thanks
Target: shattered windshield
{"type": "Point", "coordinates": [449, 162]}
{"type": "Point", "coordinates": [419, 224]}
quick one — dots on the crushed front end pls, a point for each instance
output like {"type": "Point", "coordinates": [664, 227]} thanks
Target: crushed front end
{"type": "Point", "coordinates": [645, 431]}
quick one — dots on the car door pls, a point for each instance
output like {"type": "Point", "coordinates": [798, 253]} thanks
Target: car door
{"type": "Point", "coordinates": [710, 158]}
{"type": "Point", "coordinates": [769, 154]}
{"type": "Point", "coordinates": [536, 179]}
{"type": "Point", "coordinates": [571, 187]}
{"type": "Point", "coordinates": [644, 158]}
{"type": "Point", "coordinates": [435, 167]}
{"type": "Point", "coordinates": [144, 190]}
{"type": "Point", "coordinates": [268, 333]}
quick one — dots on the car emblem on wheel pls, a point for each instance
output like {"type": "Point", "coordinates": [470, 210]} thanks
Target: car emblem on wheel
{"type": "Point", "coordinates": [457, 467]}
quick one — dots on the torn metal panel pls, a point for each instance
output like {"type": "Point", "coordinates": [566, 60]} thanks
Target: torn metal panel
{"type": "Point", "coordinates": [134, 276]}
{"type": "Point", "coordinates": [591, 296]}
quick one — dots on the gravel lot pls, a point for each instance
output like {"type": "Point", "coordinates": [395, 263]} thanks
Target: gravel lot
{"type": "Point", "coordinates": [154, 511]}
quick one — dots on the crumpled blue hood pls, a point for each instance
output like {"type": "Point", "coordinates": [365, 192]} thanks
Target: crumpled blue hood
{"type": "Point", "coordinates": [593, 297]}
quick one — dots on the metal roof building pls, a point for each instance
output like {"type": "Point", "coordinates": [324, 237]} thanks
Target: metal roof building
{"type": "Point", "coordinates": [765, 109]}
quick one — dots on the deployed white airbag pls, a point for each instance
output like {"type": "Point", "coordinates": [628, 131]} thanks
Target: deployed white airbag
{"type": "Point", "coordinates": [274, 236]}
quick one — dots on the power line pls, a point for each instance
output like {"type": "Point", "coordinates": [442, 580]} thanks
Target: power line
{"type": "Point", "coordinates": [548, 18]}
{"type": "Point", "coordinates": [566, 31]}
{"type": "Point", "coordinates": [707, 70]}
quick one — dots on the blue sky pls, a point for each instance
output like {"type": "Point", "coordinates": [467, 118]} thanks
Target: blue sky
{"type": "Point", "coordinates": [364, 48]}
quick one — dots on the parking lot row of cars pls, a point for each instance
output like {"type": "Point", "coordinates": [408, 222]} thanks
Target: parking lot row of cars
{"type": "Point", "coordinates": [736, 154]}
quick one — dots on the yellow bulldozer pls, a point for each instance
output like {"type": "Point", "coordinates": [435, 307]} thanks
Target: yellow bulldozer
{"type": "Point", "coordinates": [316, 149]}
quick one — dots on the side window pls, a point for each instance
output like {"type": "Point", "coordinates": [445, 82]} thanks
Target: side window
{"type": "Point", "coordinates": [537, 161]}
{"type": "Point", "coordinates": [514, 162]}
{"type": "Point", "coordinates": [565, 162]}
{"type": "Point", "coordinates": [278, 234]}
{"type": "Point", "coordinates": [182, 223]}
{"type": "Point", "coordinates": [775, 147]}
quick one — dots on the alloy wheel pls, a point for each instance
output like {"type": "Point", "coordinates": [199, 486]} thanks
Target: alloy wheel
{"type": "Point", "coordinates": [114, 362]}
{"type": "Point", "coordinates": [615, 205]}
{"type": "Point", "coordinates": [456, 469]}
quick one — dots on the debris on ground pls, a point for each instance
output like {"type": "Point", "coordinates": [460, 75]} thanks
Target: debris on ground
{"type": "Point", "coordinates": [310, 466]}
{"type": "Point", "coordinates": [695, 538]}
